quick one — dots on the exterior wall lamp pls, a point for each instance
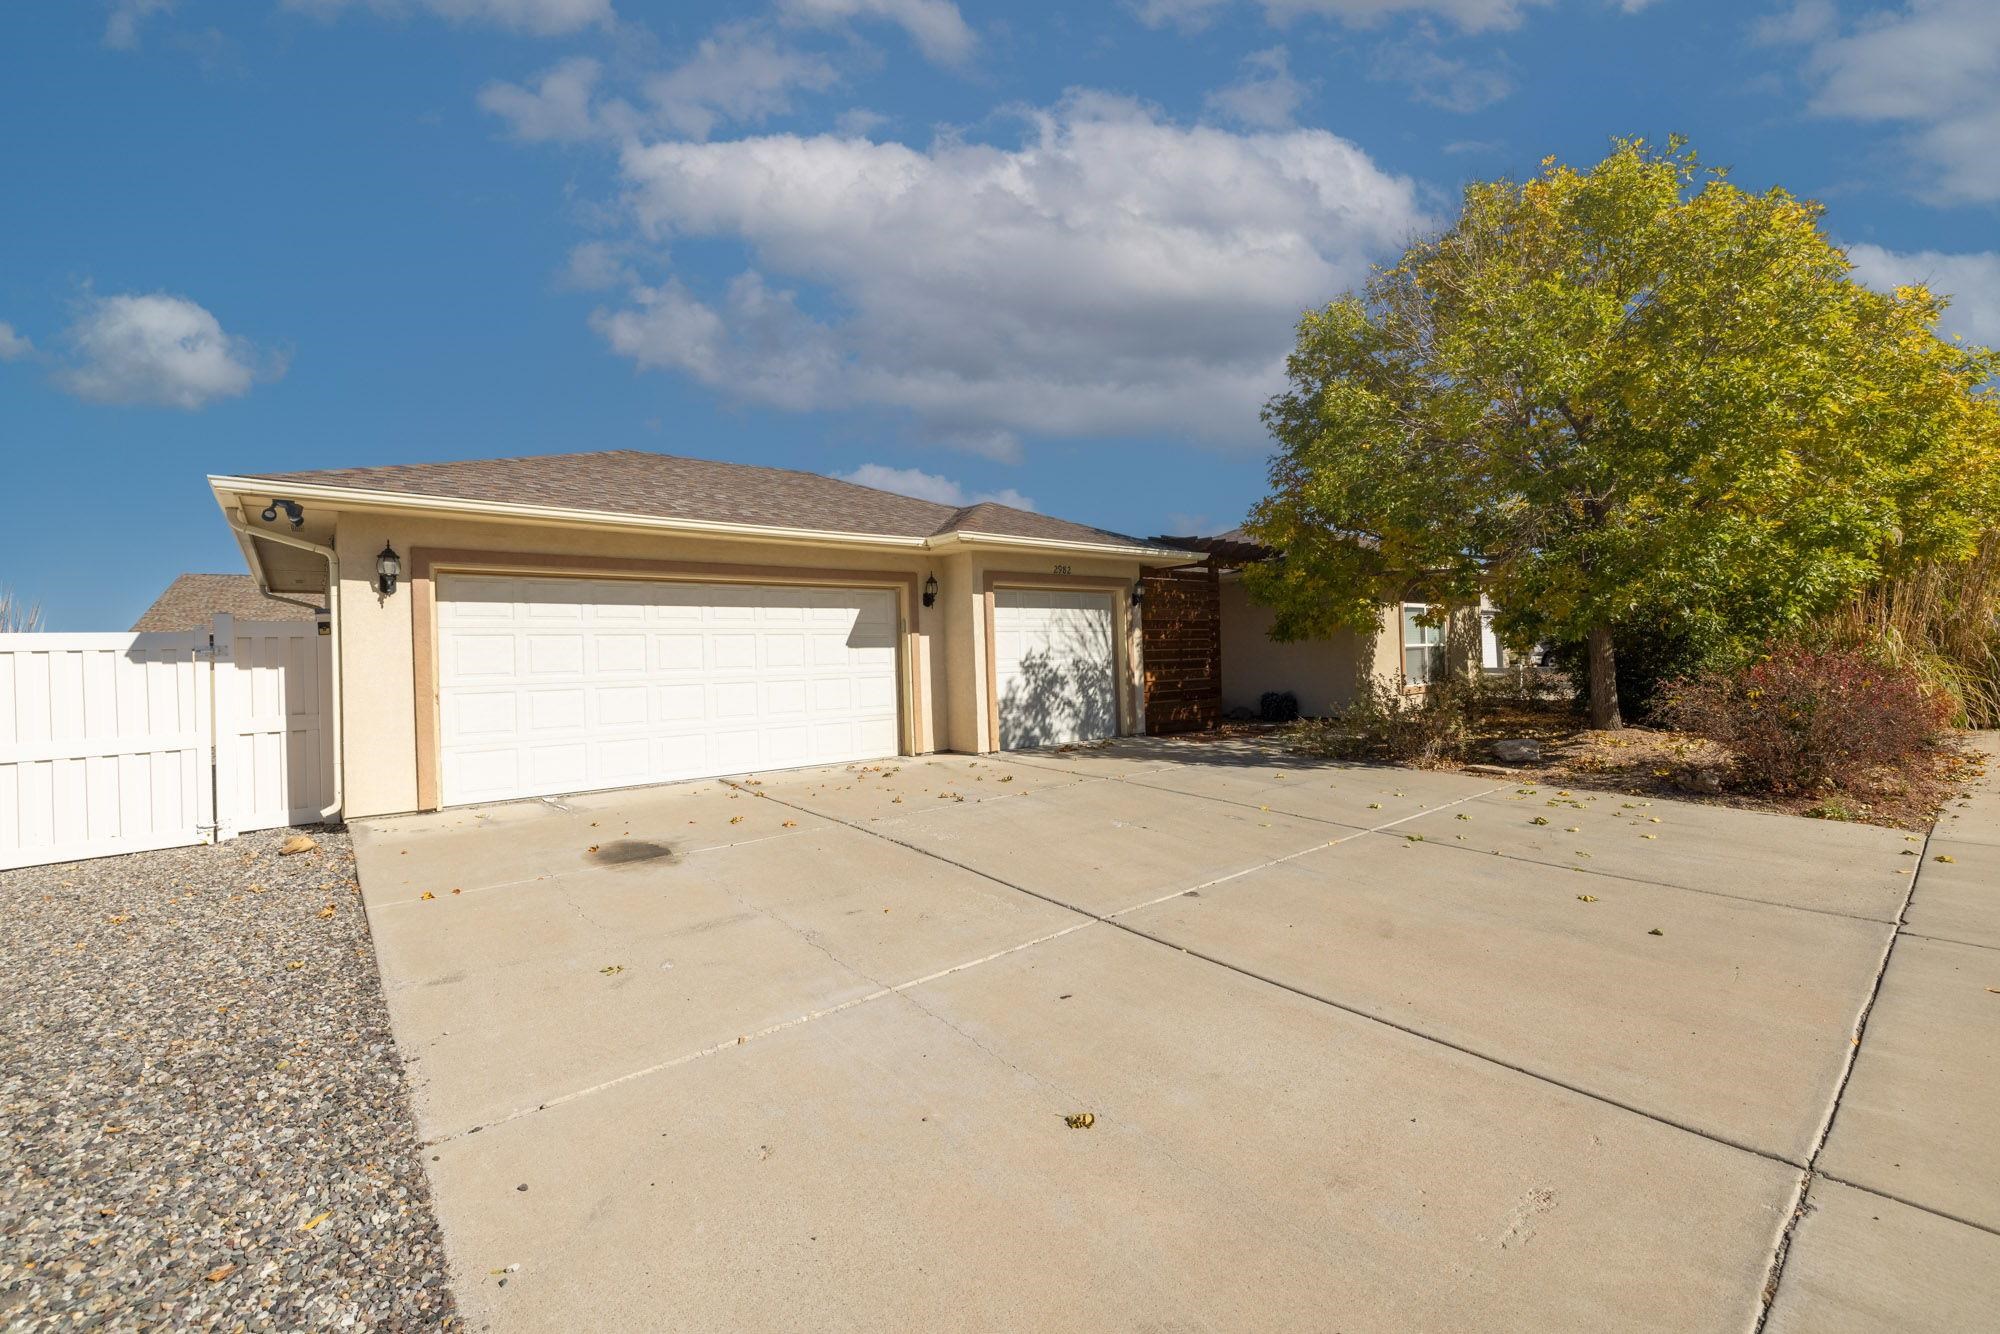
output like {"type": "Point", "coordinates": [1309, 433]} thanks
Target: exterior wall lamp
{"type": "Point", "coordinates": [930, 591]}
{"type": "Point", "coordinates": [1138, 593]}
{"type": "Point", "coordinates": [388, 568]}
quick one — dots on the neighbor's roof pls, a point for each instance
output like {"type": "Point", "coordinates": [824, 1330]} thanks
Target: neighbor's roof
{"type": "Point", "coordinates": [664, 486]}
{"type": "Point", "coordinates": [192, 601]}
{"type": "Point", "coordinates": [1231, 548]}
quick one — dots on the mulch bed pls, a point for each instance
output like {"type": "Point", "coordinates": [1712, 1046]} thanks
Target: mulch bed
{"type": "Point", "coordinates": [206, 1120]}
{"type": "Point", "coordinates": [1647, 762]}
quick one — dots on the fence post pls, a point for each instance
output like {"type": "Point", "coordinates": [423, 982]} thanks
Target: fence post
{"type": "Point", "coordinates": [224, 709]}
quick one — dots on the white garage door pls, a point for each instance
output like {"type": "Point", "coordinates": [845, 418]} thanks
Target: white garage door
{"type": "Point", "coordinates": [1054, 667]}
{"type": "Point", "coordinates": [565, 685]}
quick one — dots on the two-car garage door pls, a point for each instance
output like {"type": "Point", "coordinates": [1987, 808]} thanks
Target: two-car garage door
{"type": "Point", "coordinates": [565, 685]}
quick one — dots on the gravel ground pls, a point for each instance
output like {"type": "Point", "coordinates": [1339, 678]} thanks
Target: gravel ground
{"type": "Point", "coordinates": [206, 1122]}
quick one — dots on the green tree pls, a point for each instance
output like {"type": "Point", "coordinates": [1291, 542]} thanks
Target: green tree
{"type": "Point", "coordinates": [1635, 392]}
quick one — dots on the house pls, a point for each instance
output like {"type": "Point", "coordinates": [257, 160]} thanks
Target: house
{"type": "Point", "coordinates": [193, 601]}
{"type": "Point", "coordinates": [1413, 646]}
{"type": "Point", "coordinates": [529, 626]}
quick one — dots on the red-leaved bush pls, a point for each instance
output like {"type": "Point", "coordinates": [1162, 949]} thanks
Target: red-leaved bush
{"type": "Point", "coordinates": [1801, 719]}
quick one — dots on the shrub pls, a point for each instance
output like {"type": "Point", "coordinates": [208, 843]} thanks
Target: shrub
{"type": "Point", "coordinates": [1801, 719]}
{"type": "Point", "coordinates": [1426, 728]}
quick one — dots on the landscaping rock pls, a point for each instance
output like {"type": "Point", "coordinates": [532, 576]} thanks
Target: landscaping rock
{"type": "Point", "coordinates": [1516, 750]}
{"type": "Point", "coordinates": [207, 1123]}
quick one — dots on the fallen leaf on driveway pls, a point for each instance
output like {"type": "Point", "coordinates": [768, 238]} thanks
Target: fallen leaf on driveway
{"type": "Point", "coordinates": [612, 970]}
{"type": "Point", "coordinates": [220, 1272]}
{"type": "Point", "coordinates": [316, 1220]}
{"type": "Point", "coordinates": [736, 819]}
{"type": "Point", "coordinates": [1539, 819]}
{"type": "Point", "coordinates": [1080, 1120]}
{"type": "Point", "coordinates": [790, 824]}
{"type": "Point", "coordinates": [1656, 932]}
{"type": "Point", "coordinates": [1586, 898]}
{"type": "Point", "coordinates": [1943, 858]}
{"type": "Point", "coordinates": [427, 895]}
{"type": "Point", "coordinates": [326, 912]}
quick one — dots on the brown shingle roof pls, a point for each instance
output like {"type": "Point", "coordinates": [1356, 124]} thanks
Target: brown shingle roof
{"type": "Point", "coordinates": [192, 601]}
{"type": "Point", "coordinates": [627, 481]}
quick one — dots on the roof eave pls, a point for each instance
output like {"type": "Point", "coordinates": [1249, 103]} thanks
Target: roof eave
{"type": "Point", "coordinates": [361, 498]}
{"type": "Point", "coordinates": [225, 486]}
{"type": "Point", "coordinates": [1127, 549]}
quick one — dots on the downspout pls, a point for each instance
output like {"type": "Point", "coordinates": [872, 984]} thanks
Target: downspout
{"type": "Point", "coordinates": [245, 536]}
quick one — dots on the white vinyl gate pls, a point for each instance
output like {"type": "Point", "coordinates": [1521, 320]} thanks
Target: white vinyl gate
{"type": "Point", "coordinates": [115, 743]}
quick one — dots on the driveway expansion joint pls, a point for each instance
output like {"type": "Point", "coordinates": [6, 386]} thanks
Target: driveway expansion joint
{"type": "Point", "coordinates": [1110, 919]}
{"type": "Point", "coordinates": [1781, 1251]}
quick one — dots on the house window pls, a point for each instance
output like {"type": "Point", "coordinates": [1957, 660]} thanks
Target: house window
{"type": "Point", "coordinates": [1491, 656]}
{"type": "Point", "coordinates": [1423, 646]}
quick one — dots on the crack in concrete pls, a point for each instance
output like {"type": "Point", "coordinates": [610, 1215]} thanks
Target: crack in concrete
{"type": "Point", "coordinates": [1801, 1204]}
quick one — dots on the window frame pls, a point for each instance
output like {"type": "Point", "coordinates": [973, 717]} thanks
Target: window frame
{"type": "Point", "coordinates": [1433, 649]}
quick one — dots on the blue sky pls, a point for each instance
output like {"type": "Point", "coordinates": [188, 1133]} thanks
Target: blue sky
{"type": "Point", "coordinates": [1051, 255]}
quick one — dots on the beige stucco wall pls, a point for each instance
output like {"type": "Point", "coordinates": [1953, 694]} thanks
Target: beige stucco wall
{"type": "Point", "coordinates": [1321, 672]}
{"type": "Point", "coordinates": [948, 654]}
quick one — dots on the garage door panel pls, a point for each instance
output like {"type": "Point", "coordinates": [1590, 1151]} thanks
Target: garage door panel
{"type": "Point", "coordinates": [681, 704]}
{"type": "Point", "coordinates": [492, 600]}
{"type": "Point", "coordinates": [474, 714]}
{"type": "Point", "coordinates": [785, 697]}
{"type": "Point", "coordinates": [621, 706]}
{"type": "Point", "coordinates": [472, 654]}
{"type": "Point", "coordinates": [1054, 667]}
{"type": "Point", "coordinates": [557, 710]}
{"type": "Point", "coordinates": [733, 700]}
{"type": "Point", "coordinates": [681, 652]}
{"type": "Point", "coordinates": [732, 652]}
{"type": "Point", "coordinates": [623, 654]}
{"type": "Point", "coordinates": [558, 768]}
{"type": "Point", "coordinates": [554, 685]}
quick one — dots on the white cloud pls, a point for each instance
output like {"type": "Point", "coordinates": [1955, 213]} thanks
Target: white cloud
{"type": "Point", "coordinates": [121, 28]}
{"type": "Point", "coordinates": [1468, 15]}
{"type": "Point", "coordinates": [859, 122]}
{"type": "Point", "coordinates": [595, 266]}
{"type": "Point", "coordinates": [1443, 81]}
{"type": "Point", "coordinates": [1266, 97]}
{"type": "Point", "coordinates": [158, 349]}
{"type": "Point", "coordinates": [558, 108]}
{"type": "Point", "coordinates": [13, 346]}
{"type": "Point", "coordinates": [1933, 66]}
{"type": "Point", "coordinates": [1972, 281]}
{"type": "Point", "coordinates": [930, 486]}
{"type": "Point", "coordinates": [546, 18]}
{"type": "Point", "coordinates": [740, 72]}
{"type": "Point", "coordinates": [936, 26]}
{"type": "Point", "coordinates": [1114, 273]}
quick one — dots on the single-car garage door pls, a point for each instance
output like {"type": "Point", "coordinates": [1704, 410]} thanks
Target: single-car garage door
{"type": "Point", "coordinates": [565, 685]}
{"type": "Point", "coordinates": [1054, 667]}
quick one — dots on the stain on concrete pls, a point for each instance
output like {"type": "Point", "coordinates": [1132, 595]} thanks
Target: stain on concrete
{"type": "Point", "coordinates": [632, 852]}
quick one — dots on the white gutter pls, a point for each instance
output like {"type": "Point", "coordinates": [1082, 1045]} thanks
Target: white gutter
{"type": "Point", "coordinates": [245, 536]}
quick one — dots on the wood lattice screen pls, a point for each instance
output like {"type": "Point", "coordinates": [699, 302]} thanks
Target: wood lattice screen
{"type": "Point", "coordinates": [1182, 640]}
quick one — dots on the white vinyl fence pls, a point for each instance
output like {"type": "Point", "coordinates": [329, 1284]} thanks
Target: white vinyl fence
{"type": "Point", "coordinates": [116, 743]}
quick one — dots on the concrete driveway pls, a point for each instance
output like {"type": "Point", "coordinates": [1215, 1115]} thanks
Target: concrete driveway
{"type": "Point", "coordinates": [1366, 1049]}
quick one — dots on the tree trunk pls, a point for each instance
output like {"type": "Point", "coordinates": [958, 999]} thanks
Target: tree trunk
{"type": "Point", "coordinates": [1603, 680]}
